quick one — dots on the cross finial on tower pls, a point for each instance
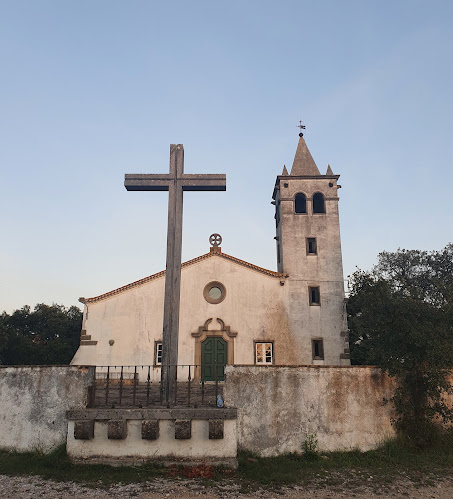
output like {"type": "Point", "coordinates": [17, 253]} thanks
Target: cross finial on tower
{"type": "Point", "coordinates": [302, 127]}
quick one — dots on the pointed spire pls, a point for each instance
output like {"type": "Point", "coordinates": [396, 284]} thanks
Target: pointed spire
{"type": "Point", "coordinates": [303, 162]}
{"type": "Point", "coordinates": [329, 170]}
{"type": "Point", "coordinates": [285, 171]}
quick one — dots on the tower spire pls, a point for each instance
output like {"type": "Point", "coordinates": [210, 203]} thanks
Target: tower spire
{"type": "Point", "coordinates": [303, 163]}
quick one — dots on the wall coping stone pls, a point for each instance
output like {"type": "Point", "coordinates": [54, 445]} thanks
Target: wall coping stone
{"type": "Point", "coordinates": [156, 413]}
{"type": "Point", "coordinates": [311, 366]}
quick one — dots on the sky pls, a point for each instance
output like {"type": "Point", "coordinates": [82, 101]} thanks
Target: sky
{"type": "Point", "coordinates": [94, 89]}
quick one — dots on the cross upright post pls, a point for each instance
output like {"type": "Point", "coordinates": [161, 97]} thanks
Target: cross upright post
{"type": "Point", "coordinates": [175, 182]}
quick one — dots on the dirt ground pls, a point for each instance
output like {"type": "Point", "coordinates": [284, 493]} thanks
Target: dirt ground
{"type": "Point", "coordinates": [28, 487]}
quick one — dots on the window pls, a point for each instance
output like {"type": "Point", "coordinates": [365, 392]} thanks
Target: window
{"type": "Point", "coordinates": [300, 203]}
{"type": "Point", "coordinates": [318, 203]}
{"type": "Point", "coordinates": [264, 353]}
{"type": "Point", "coordinates": [317, 349]}
{"type": "Point", "coordinates": [158, 353]}
{"type": "Point", "coordinates": [214, 292]}
{"type": "Point", "coordinates": [314, 295]}
{"type": "Point", "coordinates": [312, 248]}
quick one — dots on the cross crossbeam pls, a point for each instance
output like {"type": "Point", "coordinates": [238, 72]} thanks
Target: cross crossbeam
{"type": "Point", "coordinates": [175, 182]}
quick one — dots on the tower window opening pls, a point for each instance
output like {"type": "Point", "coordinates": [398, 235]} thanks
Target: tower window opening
{"type": "Point", "coordinates": [300, 203]}
{"type": "Point", "coordinates": [317, 349]}
{"type": "Point", "coordinates": [318, 203]}
{"type": "Point", "coordinates": [312, 248]}
{"type": "Point", "coordinates": [314, 295]}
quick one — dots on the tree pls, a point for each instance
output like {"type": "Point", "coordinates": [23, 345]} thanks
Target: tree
{"type": "Point", "coordinates": [401, 319]}
{"type": "Point", "coordinates": [46, 335]}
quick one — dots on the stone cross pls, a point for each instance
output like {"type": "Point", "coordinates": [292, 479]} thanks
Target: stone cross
{"type": "Point", "coordinates": [175, 182]}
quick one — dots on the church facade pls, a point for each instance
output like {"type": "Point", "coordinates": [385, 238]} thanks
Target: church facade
{"type": "Point", "coordinates": [234, 312]}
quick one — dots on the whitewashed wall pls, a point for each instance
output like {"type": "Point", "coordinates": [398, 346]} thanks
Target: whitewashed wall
{"type": "Point", "coordinates": [34, 401]}
{"type": "Point", "coordinates": [253, 307]}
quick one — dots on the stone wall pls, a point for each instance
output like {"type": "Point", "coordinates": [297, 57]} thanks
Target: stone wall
{"type": "Point", "coordinates": [34, 401]}
{"type": "Point", "coordinates": [279, 406]}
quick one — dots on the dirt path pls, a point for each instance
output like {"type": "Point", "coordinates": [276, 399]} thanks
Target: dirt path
{"type": "Point", "coordinates": [26, 487]}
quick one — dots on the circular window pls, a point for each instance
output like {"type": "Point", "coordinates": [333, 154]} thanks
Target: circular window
{"type": "Point", "coordinates": [214, 292]}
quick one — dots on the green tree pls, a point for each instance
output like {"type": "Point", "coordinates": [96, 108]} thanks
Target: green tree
{"type": "Point", "coordinates": [46, 335]}
{"type": "Point", "coordinates": [401, 319]}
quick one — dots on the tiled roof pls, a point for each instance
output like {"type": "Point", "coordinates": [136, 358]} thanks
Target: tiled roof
{"type": "Point", "coordinates": [185, 264]}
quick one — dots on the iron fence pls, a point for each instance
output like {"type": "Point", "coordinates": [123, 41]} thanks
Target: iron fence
{"type": "Point", "coordinates": [142, 386]}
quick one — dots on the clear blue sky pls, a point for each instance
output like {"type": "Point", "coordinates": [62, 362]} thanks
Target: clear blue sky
{"type": "Point", "coordinates": [91, 90]}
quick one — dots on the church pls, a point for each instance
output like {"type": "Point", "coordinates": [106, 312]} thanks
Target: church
{"type": "Point", "coordinates": [232, 311]}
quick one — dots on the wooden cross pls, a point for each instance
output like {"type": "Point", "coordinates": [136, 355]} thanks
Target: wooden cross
{"type": "Point", "coordinates": [175, 182]}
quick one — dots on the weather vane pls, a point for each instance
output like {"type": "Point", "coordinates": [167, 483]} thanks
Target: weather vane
{"type": "Point", "coordinates": [302, 127]}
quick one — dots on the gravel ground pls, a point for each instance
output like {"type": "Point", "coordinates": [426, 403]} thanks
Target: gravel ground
{"type": "Point", "coordinates": [32, 487]}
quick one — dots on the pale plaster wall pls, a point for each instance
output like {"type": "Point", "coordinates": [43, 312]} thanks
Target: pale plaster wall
{"type": "Point", "coordinates": [34, 401]}
{"type": "Point", "coordinates": [197, 447]}
{"type": "Point", "coordinates": [253, 307]}
{"type": "Point", "coordinates": [279, 406]}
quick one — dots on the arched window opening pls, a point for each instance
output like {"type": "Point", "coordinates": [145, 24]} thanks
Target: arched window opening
{"type": "Point", "coordinates": [300, 203]}
{"type": "Point", "coordinates": [318, 203]}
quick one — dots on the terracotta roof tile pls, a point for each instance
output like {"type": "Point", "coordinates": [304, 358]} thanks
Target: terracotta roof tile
{"type": "Point", "coordinates": [185, 264]}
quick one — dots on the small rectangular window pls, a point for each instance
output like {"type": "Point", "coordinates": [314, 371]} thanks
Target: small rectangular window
{"type": "Point", "coordinates": [264, 353]}
{"type": "Point", "coordinates": [312, 248]}
{"type": "Point", "coordinates": [314, 295]}
{"type": "Point", "coordinates": [158, 353]}
{"type": "Point", "coordinates": [317, 349]}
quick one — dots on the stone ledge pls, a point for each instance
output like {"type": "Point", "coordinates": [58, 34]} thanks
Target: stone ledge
{"type": "Point", "coordinates": [156, 413]}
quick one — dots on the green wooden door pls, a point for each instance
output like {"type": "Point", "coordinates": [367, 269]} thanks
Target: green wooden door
{"type": "Point", "coordinates": [214, 354]}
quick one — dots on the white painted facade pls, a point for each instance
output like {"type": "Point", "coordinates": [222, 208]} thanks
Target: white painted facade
{"type": "Point", "coordinates": [122, 327]}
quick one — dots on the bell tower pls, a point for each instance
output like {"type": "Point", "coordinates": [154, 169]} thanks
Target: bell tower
{"type": "Point", "coordinates": [309, 252]}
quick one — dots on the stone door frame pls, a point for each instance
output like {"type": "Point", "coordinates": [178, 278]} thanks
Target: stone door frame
{"type": "Point", "coordinates": [203, 332]}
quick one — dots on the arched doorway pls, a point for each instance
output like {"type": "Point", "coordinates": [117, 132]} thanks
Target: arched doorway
{"type": "Point", "coordinates": [204, 332]}
{"type": "Point", "coordinates": [214, 356]}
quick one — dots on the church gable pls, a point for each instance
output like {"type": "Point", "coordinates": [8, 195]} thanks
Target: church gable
{"type": "Point", "coordinates": [158, 275]}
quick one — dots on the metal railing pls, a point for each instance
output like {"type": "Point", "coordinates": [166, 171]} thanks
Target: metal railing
{"type": "Point", "coordinates": [142, 386]}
